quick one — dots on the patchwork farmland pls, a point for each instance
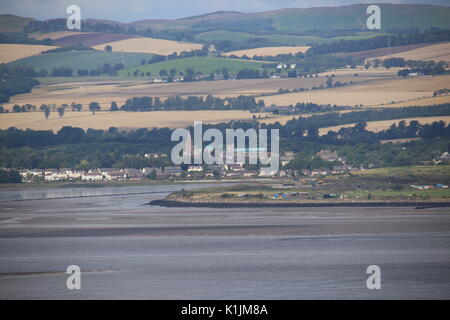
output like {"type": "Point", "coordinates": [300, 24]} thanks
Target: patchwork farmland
{"type": "Point", "coordinates": [149, 45]}
{"type": "Point", "coordinates": [123, 120]}
{"type": "Point", "coordinates": [11, 52]}
{"type": "Point", "coordinates": [385, 124]}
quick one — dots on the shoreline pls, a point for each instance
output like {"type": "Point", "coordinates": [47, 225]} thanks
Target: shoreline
{"type": "Point", "coordinates": [175, 204]}
{"type": "Point", "coordinates": [101, 184]}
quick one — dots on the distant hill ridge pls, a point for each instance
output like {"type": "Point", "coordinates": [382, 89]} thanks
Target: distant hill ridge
{"type": "Point", "coordinates": [394, 16]}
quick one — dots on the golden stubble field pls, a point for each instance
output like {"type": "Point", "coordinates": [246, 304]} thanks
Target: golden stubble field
{"type": "Point", "coordinates": [375, 93]}
{"type": "Point", "coordinates": [11, 52]}
{"type": "Point", "coordinates": [362, 72]}
{"type": "Point", "coordinates": [107, 90]}
{"type": "Point", "coordinates": [123, 120]}
{"type": "Point", "coordinates": [385, 124]}
{"type": "Point", "coordinates": [55, 35]}
{"type": "Point", "coordinates": [437, 52]}
{"type": "Point", "coordinates": [268, 51]}
{"type": "Point", "coordinates": [150, 45]}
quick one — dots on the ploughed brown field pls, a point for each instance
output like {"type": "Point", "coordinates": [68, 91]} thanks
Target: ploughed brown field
{"type": "Point", "coordinates": [11, 52]}
{"type": "Point", "coordinates": [90, 39]}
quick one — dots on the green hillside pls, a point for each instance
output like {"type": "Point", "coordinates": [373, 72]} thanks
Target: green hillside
{"type": "Point", "coordinates": [203, 65]}
{"type": "Point", "coordinates": [282, 39]}
{"type": "Point", "coordinates": [81, 59]}
{"type": "Point", "coordinates": [354, 17]}
{"type": "Point", "coordinates": [351, 17]}
{"type": "Point", "coordinates": [13, 23]}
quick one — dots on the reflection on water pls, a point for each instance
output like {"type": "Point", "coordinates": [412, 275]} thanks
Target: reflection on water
{"type": "Point", "coordinates": [31, 194]}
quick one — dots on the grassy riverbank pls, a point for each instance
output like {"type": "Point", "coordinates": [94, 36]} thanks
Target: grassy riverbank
{"type": "Point", "coordinates": [400, 184]}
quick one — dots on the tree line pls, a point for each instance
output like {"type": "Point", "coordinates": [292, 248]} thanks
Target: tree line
{"type": "Point", "coordinates": [191, 103]}
{"type": "Point", "coordinates": [15, 80]}
{"type": "Point", "coordinates": [432, 35]}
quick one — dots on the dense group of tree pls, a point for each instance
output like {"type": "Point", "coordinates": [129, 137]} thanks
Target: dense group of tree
{"type": "Point", "coordinates": [430, 36]}
{"type": "Point", "coordinates": [77, 148]}
{"type": "Point", "coordinates": [20, 37]}
{"type": "Point", "coordinates": [68, 49]}
{"type": "Point", "coordinates": [371, 154]}
{"type": "Point", "coordinates": [15, 80]}
{"type": "Point", "coordinates": [310, 64]}
{"type": "Point", "coordinates": [255, 42]}
{"type": "Point", "coordinates": [441, 92]}
{"type": "Point", "coordinates": [251, 74]}
{"type": "Point", "coordinates": [308, 107]}
{"type": "Point", "coordinates": [191, 103]}
{"type": "Point", "coordinates": [88, 26]}
{"type": "Point", "coordinates": [301, 126]}
{"type": "Point", "coordinates": [105, 69]}
{"type": "Point", "coordinates": [413, 129]}
{"type": "Point", "coordinates": [10, 176]}
{"type": "Point", "coordinates": [424, 67]}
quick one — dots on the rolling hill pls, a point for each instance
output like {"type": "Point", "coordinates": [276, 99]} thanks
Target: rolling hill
{"type": "Point", "coordinates": [203, 65]}
{"type": "Point", "coordinates": [436, 52]}
{"type": "Point", "coordinates": [11, 51]}
{"type": "Point", "coordinates": [302, 20]}
{"type": "Point", "coordinates": [150, 45]}
{"type": "Point", "coordinates": [13, 23]}
{"type": "Point", "coordinates": [81, 59]}
{"type": "Point", "coordinates": [299, 26]}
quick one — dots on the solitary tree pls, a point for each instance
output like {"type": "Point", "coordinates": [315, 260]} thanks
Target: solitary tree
{"type": "Point", "coordinates": [94, 106]}
{"type": "Point", "coordinates": [61, 111]}
{"type": "Point", "coordinates": [173, 73]}
{"type": "Point", "coordinates": [108, 48]}
{"type": "Point", "coordinates": [47, 112]}
{"type": "Point", "coordinates": [225, 73]}
{"type": "Point", "coordinates": [189, 75]}
{"type": "Point", "coordinates": [114, 106]}
{"type": "Point", "coordinates": [163, 73]}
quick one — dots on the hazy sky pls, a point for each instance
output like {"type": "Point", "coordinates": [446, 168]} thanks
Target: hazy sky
{"type": "Point", "coordinates": [132, 10]}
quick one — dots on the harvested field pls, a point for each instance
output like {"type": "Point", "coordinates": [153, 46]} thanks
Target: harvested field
{"type": "Point", "coordinates": [11, 52]}
{"type": "Point", "coordinates": [91, 39]}
{"type": "Point", "coordinates": [437, 52]}
{"type": "Point", "coordinates": [150, 45]}
{"type": "Point", "coordinates": [267, 51]}
{"type": "Point", "coordinates": [418, 102]}
{"type": "Point", "coordinates": [375, 93]}
{"type": "Point", "coordinates": [120, 119]}
{"type": "Point", "coordinates": [54, 35]}
{"type": "Point", "coordinates": [119, 90]}
{"type": "Point", "coordinates": [367, 54]}
{"type": "Point", "coordinates": [362, 72]}
{"type": "Point", "coordinates": [385, 124]}
{"type": "Point", "coordinates": [399, 140]}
